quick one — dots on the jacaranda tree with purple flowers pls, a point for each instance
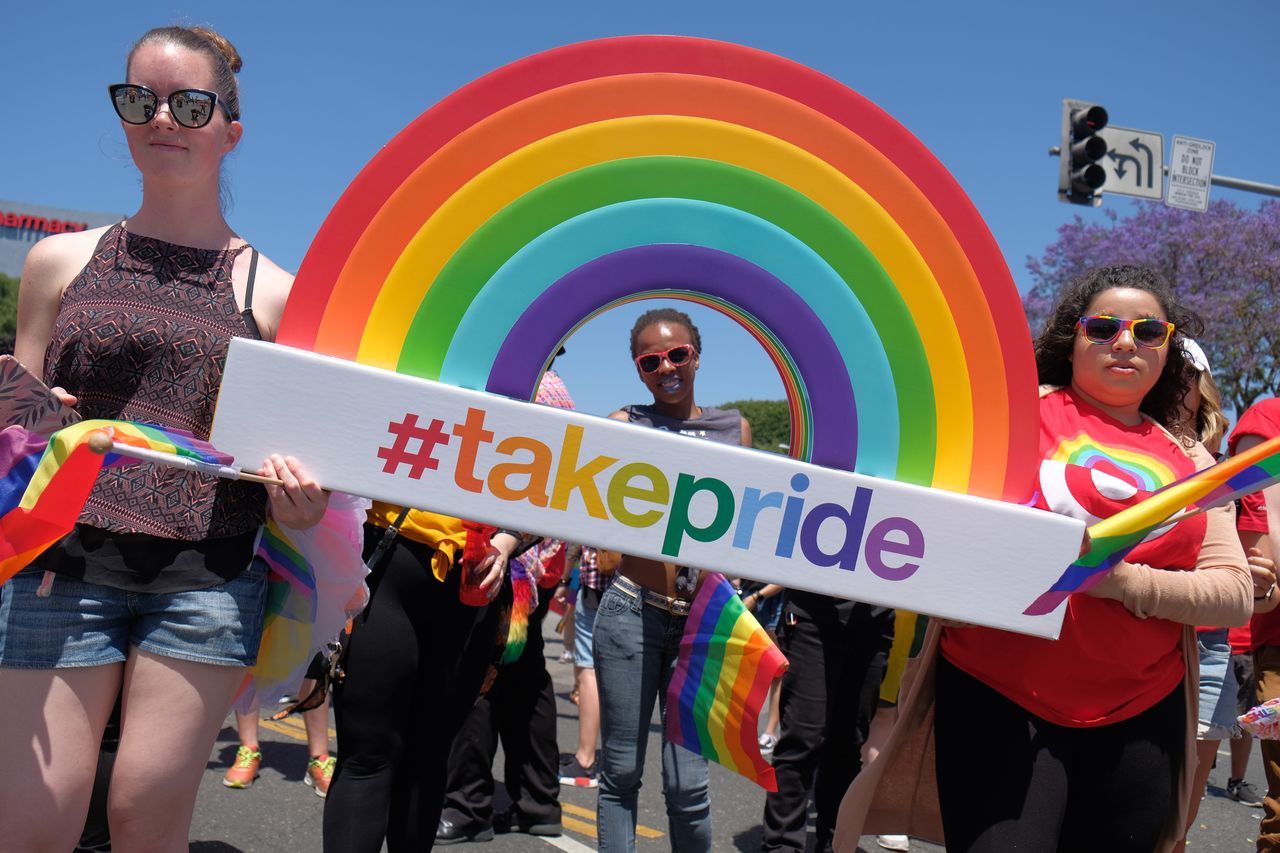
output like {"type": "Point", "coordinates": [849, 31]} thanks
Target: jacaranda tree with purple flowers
{"type": "Point", "coordinates": [1225, 263]}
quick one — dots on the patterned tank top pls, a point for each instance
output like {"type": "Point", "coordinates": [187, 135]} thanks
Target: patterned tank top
{"type": "Point", "coordinates": [142, 335]}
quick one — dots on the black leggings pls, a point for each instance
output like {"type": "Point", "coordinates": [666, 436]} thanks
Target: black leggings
{"type": "Point", "coordinates": [414, 666]}
{"type": "Point", "coordinates": [1008, 780]}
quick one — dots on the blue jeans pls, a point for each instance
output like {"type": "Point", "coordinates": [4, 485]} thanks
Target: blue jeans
{"type": "Point", "coordinates": [635, 654]}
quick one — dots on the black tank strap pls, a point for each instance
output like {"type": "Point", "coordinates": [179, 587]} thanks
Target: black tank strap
{"type": "Point", "coordinates": [248, 288]}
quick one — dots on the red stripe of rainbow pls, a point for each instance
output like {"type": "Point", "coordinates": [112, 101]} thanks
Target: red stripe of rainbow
{"type": "Point", "coordinates": [722, 675]}
{"type": "Point", "coordinates": [382, 246]}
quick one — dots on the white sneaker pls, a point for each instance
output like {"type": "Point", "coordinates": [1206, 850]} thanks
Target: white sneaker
{"type": "Point", "coordinates": [894, 842]}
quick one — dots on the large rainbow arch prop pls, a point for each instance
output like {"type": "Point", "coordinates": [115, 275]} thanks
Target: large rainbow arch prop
{"type": "Point", "coordinates": [598, 174]}
{"type": "Point", "coordinates": [578, 179]}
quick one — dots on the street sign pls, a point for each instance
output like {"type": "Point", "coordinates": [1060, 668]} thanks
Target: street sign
{"type": "Point", "coordinates": [1134, 162]}
{"type": "Point", "coordinates": [1190, 168]}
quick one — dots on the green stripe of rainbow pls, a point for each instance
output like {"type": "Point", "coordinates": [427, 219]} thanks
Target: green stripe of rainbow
{"type": "Point", "coordinates": [941, 340]}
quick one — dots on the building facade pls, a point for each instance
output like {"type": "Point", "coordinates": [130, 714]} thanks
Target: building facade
{"type": "Point", "coordinates": [23, 223]}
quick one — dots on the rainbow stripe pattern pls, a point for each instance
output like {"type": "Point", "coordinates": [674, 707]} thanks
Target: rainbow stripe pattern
{"type": "Point", "coordinates": [1112, 538]}
{"type": "Point", "coordinates": [722, 677]}
{"type": "Point", "coordinates": [1147, 472]}
{"type": "Point", "coordinates": [595, 174]}
{"type": "Point", "coordinates": [523, 600]}
{"type": "Point", "coordinates": [44, 482]}
{"type": "Point", "coordinates": [315, 579]}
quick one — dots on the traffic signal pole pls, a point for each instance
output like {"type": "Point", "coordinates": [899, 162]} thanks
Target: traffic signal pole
{"type": "Point", "coordinates": [1081, 180]}
{"type": "Point", "coordinates": [1217, 180]}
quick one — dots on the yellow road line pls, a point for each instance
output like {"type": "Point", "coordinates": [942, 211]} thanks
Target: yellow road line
{"type": "Point", "coordinates": [296, 729]}
{"type": "Point", "coordinates": [291, 728]}
{"type": "Point", "coordinates": [570, 808]}
{"type": "Point", "coordinates": [578, 826]}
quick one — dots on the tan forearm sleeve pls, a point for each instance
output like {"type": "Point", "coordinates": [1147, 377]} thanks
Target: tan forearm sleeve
{"type": "Point", "coordinates": [1218, 592]}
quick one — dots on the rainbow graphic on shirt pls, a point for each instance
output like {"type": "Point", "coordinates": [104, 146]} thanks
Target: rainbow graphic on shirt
{"type": "Point", "coordinates": [1111, 539]}
{"type": "Point", "coordinates": [1146, 472]}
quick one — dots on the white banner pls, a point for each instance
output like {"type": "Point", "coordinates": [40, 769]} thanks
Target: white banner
{"type": "Point", "coordinates": [642, 491]}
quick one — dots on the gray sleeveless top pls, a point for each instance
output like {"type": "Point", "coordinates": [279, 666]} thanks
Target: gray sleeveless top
{"type": "Point", "coordinates": [719, 425]}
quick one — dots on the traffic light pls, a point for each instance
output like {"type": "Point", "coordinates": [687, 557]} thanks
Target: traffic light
{"type": "Point", "coordinates": [1080, 178]}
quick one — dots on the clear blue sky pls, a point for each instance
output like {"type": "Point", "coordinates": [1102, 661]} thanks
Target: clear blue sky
{"type": "Point", "coordinates": [325, 84]}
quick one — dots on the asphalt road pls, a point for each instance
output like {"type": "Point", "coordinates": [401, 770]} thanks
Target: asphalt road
{"type": "Point", "coordinates": [281, 815]}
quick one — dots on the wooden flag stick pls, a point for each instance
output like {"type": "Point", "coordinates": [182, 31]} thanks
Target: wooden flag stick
{"type": "Point", "coordinates": [100, 442]}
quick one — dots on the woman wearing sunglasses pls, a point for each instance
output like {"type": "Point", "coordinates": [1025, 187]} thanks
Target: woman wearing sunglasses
{"type": "Point", "coordinates": [641, 616]}
{"type": "Point", "coordinates": [155, 594]}
{"type": "Point", "coordinates": [1086, 742]}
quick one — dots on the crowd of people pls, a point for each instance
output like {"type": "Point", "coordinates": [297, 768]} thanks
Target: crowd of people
{"type": "Point", "coordinates": [128, 638]}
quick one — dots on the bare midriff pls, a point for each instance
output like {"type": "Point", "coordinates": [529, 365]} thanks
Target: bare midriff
{"type": "Point", "coordinates": [659, 577]}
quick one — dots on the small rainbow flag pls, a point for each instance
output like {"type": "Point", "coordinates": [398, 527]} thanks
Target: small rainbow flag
{"type": "Point", "coordinates": [315, 581]}
{"type": "Point", "coordinates": [524, 598]}
{"type": "Point", "coordinates": [44, 482]}
{"type": "Point", "coordinates": [722, 677]}
{"type": "Point", "coordinates": [1112, 538]}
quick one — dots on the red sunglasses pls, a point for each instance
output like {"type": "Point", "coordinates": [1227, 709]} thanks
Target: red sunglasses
{"type": "Point", "coordinates": [677, 355]}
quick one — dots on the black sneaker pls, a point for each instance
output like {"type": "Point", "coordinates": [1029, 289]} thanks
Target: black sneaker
{"type": "Point", "coordinates": [1244, 793]}
{"type": "Point", "coordinates": [573, 773]}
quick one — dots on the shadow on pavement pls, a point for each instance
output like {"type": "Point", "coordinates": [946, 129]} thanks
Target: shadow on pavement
{"type": "Point", "coordinates": [289, 759]}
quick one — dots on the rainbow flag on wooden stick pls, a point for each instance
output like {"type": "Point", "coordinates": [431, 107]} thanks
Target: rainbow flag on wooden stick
{"type": "Point", "coordinates": [722, 677]}
{"type": "Point", "coordinates": [44, 482]}
{"type": "Point", "coordinates": [1112, 538]}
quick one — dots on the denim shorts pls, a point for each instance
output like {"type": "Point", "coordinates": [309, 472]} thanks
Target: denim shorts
{"type": "Point", "coordinates": [86, 624]}
{"type": "Point", "coordinates": [1218, 686]}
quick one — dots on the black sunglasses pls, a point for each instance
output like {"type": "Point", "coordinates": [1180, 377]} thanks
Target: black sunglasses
{"type": "Point", "coordinates": [191, 108]}
{"type": "Point", "coordinates": [677, 355]}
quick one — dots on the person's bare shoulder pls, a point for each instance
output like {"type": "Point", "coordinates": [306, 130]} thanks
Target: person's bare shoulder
{"type": "Point", "coordinates": [620, 415]}
{"type": "Point", "coordinates": [55, 260]}
{"type": "Point", "coordinates": [50, 266]}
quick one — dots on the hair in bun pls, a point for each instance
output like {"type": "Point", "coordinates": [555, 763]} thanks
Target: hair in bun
{"type": "Point", "coordinates": [222, 54]}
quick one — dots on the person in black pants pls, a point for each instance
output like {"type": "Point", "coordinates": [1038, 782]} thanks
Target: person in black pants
{"type": "Point", "coordinates": [520, 708]}
{"type": "Point", "coordinates": [837, 651]}
{"type": "Point", "coordinates": [1039, 776]}
{"type": "Point", "coordinates": [414, 665]}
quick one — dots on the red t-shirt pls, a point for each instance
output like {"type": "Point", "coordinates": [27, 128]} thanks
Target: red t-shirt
{"type": "Point", "coordinates": [1262, 419]}
{"type": "Point", "coordinates": [1107, 665]}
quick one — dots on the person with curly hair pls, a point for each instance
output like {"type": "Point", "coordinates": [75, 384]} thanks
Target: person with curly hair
{"type": "Point", "coordinates": [1086, 742]}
